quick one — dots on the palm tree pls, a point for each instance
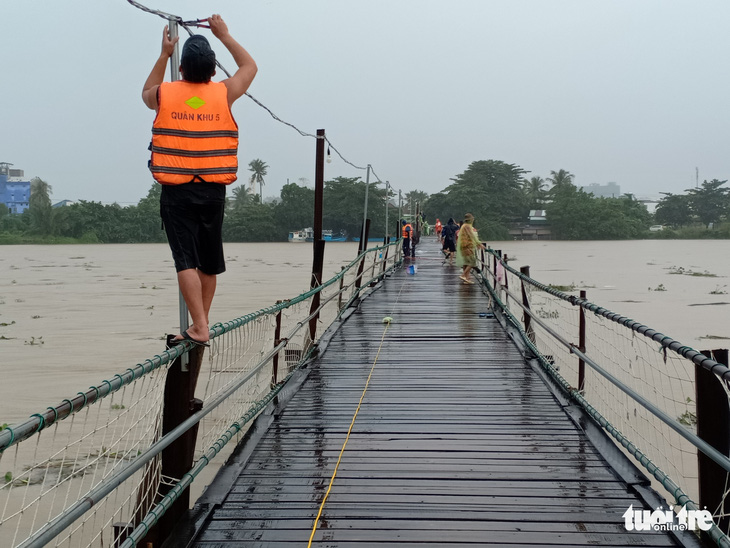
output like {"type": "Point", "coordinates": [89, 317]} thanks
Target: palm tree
{"type": "Point", "coordinates": [534, 190]}
{"type": "Point", "coordinates": [561, 178]}
{"type": "Point", "coordinates": [258, 169]}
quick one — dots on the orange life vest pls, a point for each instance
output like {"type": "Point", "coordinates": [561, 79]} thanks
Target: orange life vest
{"type": "Point", "coordinates": [194, 135]}
{"type": "Point", "coordinates": [407, 234]}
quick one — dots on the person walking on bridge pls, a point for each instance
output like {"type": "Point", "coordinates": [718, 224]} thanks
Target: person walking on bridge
{"type": "Point", "coordinates": [194, 157]}
{"type": "Point", "coordinates": [448, 235]}
{"type": "Point", "coordinates": [407, 234]}
{"type": "Point", "coordinates": [466, 247]}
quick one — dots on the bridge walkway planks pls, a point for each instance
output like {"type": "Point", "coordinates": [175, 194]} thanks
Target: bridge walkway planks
{"type": "Point", "coordinates": [458, 442]}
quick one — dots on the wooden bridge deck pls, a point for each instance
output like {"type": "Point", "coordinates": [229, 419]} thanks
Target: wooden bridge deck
{"type": "Point", "coordinates": [459, 442]}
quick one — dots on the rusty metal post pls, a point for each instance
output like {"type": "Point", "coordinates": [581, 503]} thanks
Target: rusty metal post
{"type": "Point", "coordinates": [179, 404]}
{"type": "Point", "coordinates": [526, 303]}
{"type": "Point", "coordinates": [277, 340]}
{"type": "Point", "coordinates": [582, 344]}
{"type": "Point", "coordinates": [361, 248]}
{"type": "Point", "coordinates": [713, 426]}
{"type": "Point", "coordinates": [318, 185]}
{"type": "Point", "coordinates": [384, 263]}
{"type": "Point", "coordinates": [339, 293]}
{"type": "Point", "coordinates": [506, 278]}
{"type": "Point", "coordinates": [318, 247]}
{"type": "Point", "coordinates": [372, 269]}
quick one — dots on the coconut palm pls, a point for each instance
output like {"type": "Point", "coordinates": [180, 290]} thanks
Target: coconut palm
{"type": "Point", "coordinates": [534, 189]}
{"type": "Point", "coordinates": [561, 178]}
{"type": "Point", "coordinates": [258, 169]}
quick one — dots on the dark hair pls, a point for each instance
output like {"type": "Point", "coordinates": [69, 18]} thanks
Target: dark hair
{"type": "Point", "coordinates": [197, 60]}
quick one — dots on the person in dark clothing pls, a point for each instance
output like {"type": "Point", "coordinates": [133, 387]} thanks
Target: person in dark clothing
{"type": "Point", "coordinates": [448, 233]}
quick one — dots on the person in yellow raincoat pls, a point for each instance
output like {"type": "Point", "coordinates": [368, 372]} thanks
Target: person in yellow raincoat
{"type": "Point", "coordinates": [466, 247]}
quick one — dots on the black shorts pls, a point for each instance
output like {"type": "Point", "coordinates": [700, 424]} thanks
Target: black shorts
{"type": "Point", "coordinates": [194, 234]}
{"type": "Point", "coordinates": [449, 245]}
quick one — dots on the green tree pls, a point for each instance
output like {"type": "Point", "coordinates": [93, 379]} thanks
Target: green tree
{"type": "Point", "coordinates": [247, 219]}
{"type": "Point", "coordinates": [295, 209]}
{"type": "Point", "coordinates": [258, 169]}
{"type": "Point", "coordinates": [560, 178]}
{"type": "Point", "coordinates": [95, 222]}
{"type": "Point", "coordinates": [673, 210]}
{"type": "Point", "coordinates": [489, 189]}
{"type": "Point", "coordinates": [535, 192]}
{"type": "Point", "coordinates": [141, 223]}
{"type": "Point", "coordinates": [40, 210]}
{"type": "Point", "coordinates": [574, 214]}
{"type": "Point", "coordinates": [570, 213]}
{"type": "Point", "coordinates": [413, 199]}
{"type": "Point", "coordinates": [709, 202]}
{"type": "Point", "coordinates": [344, 202]}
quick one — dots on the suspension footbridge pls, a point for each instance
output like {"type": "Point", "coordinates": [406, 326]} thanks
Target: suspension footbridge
{"type": "Point", "coordinates": [399, 407]}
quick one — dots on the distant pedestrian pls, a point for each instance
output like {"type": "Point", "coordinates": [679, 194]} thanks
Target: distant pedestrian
{"type": "Point", "coordinates": [448, 236]}
{"type": "Point", "coordinates": [466, 248]}
{"type": "Point", "coordinates": [438, 227]}
{"type": "Point", "coordinates": [407, 234]}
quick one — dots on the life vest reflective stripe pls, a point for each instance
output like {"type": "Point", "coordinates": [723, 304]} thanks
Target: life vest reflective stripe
{"type": "Point", "coordinates": [194, 136]}
{"type": "Point", "coordinates": [407, 234]}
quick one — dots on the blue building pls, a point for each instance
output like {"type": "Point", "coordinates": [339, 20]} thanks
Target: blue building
{"type": "Point", "coordinates": [14, 191]}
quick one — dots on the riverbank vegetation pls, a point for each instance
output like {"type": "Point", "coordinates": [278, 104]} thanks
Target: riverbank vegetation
{"type": "Point", "coordinates": [498, 194]}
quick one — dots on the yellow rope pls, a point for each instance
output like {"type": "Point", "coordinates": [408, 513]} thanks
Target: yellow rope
{"type": "Point", "coordinates": [347, 438]}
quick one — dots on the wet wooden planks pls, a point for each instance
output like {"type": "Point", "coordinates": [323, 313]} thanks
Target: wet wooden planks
{"type": "Point", "coordinates": [457, 442]}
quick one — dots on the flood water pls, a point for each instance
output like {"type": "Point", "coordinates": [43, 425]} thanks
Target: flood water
{"type": "Point", "coordinates": [72, 316]}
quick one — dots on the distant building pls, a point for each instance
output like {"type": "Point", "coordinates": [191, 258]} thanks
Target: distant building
{"type": "Point", "coordinates": [536, 228]}
{"type": "Point", "coordinates": [609, 190]}
{"type": "Point", "coordinates": [14, 189]}
{"type": "Point", "coordinates": [63, 203]}
{"type": "Point", "coordinates": [537, 217]}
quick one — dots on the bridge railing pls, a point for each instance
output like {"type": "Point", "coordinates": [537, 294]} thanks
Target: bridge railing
{"type": "Point", "coordinates": [108, 463]}
{"type": "Point", "coordinates": [638, 384]}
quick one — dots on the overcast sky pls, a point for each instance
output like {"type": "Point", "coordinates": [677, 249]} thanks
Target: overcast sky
{"type": "Point", "coordinates": [629, 91]}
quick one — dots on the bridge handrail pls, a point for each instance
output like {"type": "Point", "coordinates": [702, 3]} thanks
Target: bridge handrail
{"type": "Point", "coordinates": [722, 371]}
{"type": "Point", "coordinates": [17, 433]}
{"type": "Point", "coordinates": [715, 533]}
{"type": "Point", "coordinates": [37, 422]}
{"type": "Point", "coordinates": [695, 440]}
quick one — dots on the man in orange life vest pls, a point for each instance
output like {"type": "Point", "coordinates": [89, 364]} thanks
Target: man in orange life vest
{"type": "Point", "coordinates": [407, 233]}
{"type": "Point", "coordinates": [194, 156]}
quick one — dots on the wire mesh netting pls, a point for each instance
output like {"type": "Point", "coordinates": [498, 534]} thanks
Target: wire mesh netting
{"type": "Point", "coordinates": [624, 361]}
{"type": "Point", "coordinates": [91, 476]}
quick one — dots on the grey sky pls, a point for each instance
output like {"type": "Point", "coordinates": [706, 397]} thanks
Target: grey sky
{"type": "Point", "coordinates": [631, 91]}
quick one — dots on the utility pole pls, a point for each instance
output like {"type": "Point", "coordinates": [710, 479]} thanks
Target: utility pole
{"type": "Point", "coordinates": [387, 206]}
{"type": "Point", "coordinates": [363, 243]}
{"type": "Point", "coordinates": [174, 77]}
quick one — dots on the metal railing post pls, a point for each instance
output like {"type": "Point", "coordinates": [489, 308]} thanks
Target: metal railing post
{"type": "Point", "coordinates": [277, 340]}
{"type": "Point", "coordinates": [318, 246]}
{"type": "Point", "coordinates": [526, 302]}
{"type": "Point", "coordinates": [372, 270]}
{"type": "Point", "coordinates": [582, 344]}
{"type": "Point", "coordinates": [713, 426]}
{"type": "Point", "coordinates": [385, 258]}
{"type": "Point", "coordinates": [179, 405]}
{"type": "Point", "coordinates": [361, 267]}
{"type": "Point", "coordinates": [342, 285]}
